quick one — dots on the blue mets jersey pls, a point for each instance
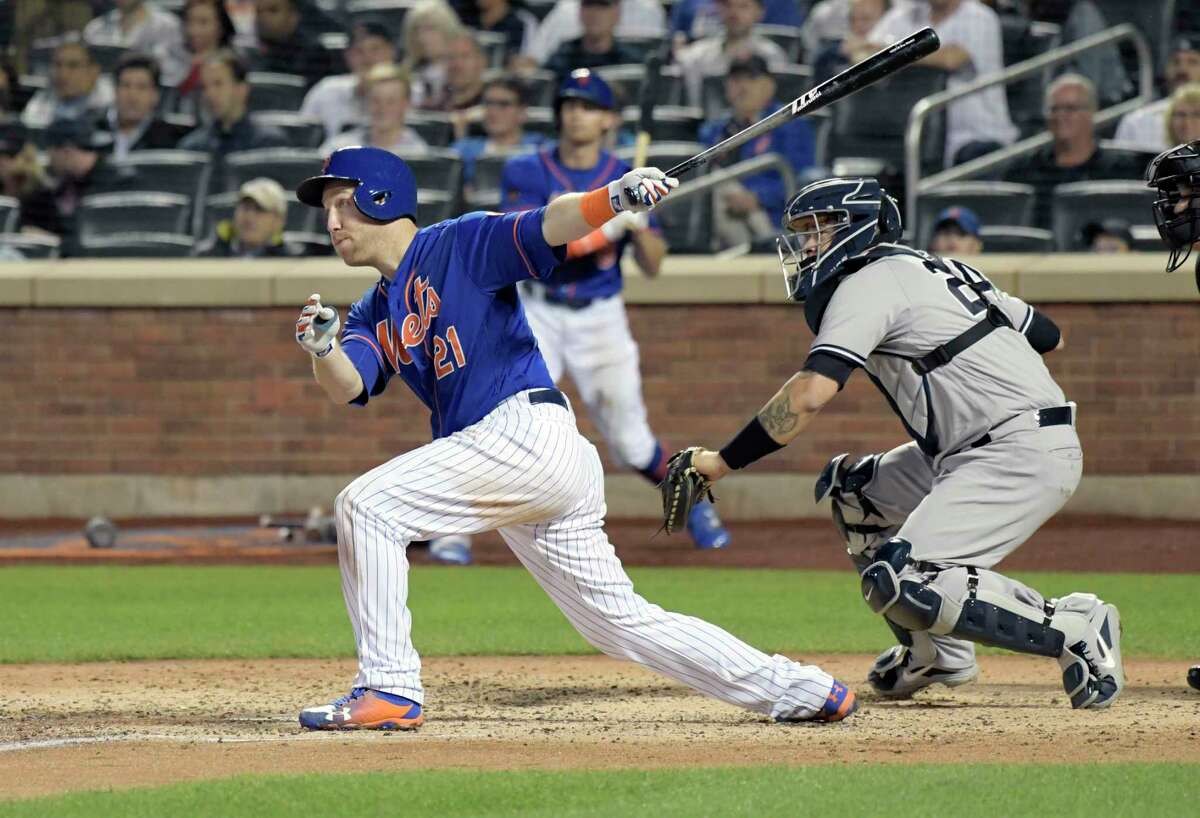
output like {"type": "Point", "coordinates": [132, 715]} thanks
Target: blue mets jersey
{"type": "Point", "coordinates": [450, 322]}
{"type": "Point", "coordinates": [534, 180]}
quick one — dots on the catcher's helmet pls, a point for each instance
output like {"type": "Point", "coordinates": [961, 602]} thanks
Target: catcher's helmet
{"type": "Point", "coordinates": [1167, 173]}
{"type": "Point", "coordinates": [385, 189]}
{"type": "Point", "coordinates": [846, 216]}
{"type": "Point", "coordinates": [588, 86]}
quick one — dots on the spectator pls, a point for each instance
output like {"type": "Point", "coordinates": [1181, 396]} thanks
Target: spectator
{"type": "Point", "coordinates": [1074, 155]}
{"type": "Point", "coordinates": [1078, 19]}
{"type": "Point", "coordinates": [1143, 130]}
{"type": "Point", "coordinates": [8, 84]}
{"type": "Point", "coordinates": [387, 89]}
{"type": "Point", "coordinates": [339, 101]}
{"type": "Point", "coordinates": [287, 46]}
{"type": "Point", "coordinates": [139, 26]}
{"type": "Point", "coordinates": [971, 48]}
{"type": "Point", "coordinates": [503, 123]}
{"type": "Point", "coordinates": [22, 178]}
{"type": "Point", "coordinates": [207, 29]}
{"type": "Point", "coordinates": [751, 208]}
{"type": "Point", "coordinates": [696, 19]}
{"type": "Point", "coordinates": [465, 64]}
{"type": "Point", "coordinates": [713, 55]}
{"type": "Point", "coordinates": [956, 232]}
{"type": "Point", "coordinates": [429, 27]}
{"type": "Point", "coordinates": [597, 46]}
{"type": "Point", "coordinates": [1183, 115]}
{"type": "Point", "coordinates": [828, 24]}
{"type": "Point", "coordinates": [499, 17]}
{"type": "Point", "coordinates": [77, 89]}
{"type": "Point", "coordinates": [1108, 236]}
{"type": "Point", "coordinates": [256, 229]}
{"type": "Point", "coordinates": [132, 122]}
{"type": "Point", "coordinates": [223, 81]}
{"type": "Point", "coordinates": [639, 18]}
{"type": "Point", "coordinates": [836, 56]}
{"type": "Point", "coordinates": [80, 168]}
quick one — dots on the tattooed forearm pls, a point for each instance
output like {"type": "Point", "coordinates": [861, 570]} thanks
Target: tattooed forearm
{"type": "Point", "coordinates": [778, 417]}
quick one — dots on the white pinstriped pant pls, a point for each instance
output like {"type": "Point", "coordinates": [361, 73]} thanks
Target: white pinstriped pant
{"type": "Point", "coordinates": [525, 470]}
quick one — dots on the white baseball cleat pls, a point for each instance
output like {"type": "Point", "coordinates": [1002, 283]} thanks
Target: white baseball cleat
{"type": "Point", "coordinates": [1093, 673]}
{"type": "Point", "coordinates": [896, 676]}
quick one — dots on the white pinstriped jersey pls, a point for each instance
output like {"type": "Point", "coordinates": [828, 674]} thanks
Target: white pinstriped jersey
{"type": "Point", "coordinates": [900, 307]}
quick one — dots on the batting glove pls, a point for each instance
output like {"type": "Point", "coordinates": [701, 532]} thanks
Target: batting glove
{"type": "Point", "coordinates": [317, 327]}
{"type": "Point", "coordinates": [624, 222]}
{"type": "Point", "coordinates": [640, 189]}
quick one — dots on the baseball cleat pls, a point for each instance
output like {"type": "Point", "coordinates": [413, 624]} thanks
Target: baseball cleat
{"type": "Point", "coordinates": [1193, 676]}
{"type": "Point", "coordinates": [705, 527]}
{"type": "Point", "coordinates": [364, 709]}
{"type": "Point", "coordinates": [841, 703]}
{"type": "Point", "coordinates": [896, 676]}
{"type": "Point", "coordinates": [1093, 674]}
{"type": "Point", "coordinates": [453, 549]}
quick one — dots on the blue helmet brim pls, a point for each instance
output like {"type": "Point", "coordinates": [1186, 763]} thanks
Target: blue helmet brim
{"type": "Point", "coordinates": [312, 189]}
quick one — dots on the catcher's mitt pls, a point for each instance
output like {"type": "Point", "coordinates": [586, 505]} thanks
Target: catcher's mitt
{"type": "Point", "coordinates": [682, 488]}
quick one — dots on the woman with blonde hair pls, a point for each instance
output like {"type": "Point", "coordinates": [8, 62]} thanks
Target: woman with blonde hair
{"type": "Point", "coordinates": [429, 27]}
{"type": "Point", "coordinates": [1183, 115]}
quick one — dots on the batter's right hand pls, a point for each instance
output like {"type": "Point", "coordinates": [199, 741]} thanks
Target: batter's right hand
{"type": "Point", "coordinates": [317, 327]}
{"type": "Point", "coordinates": [640, 189]}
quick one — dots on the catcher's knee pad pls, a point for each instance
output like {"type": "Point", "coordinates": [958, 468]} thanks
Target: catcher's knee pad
{"type": "Point", "coordinates": [906, 602]}
{"type": "Point", "coordinates": [857, 519]}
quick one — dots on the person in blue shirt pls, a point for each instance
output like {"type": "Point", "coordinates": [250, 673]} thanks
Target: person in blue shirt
{"type": "Point", "coordinates": [694, 19]}
{"type": "Point", "coordinates": [504, 112]}
{"type": "Point", "coordinates": [750, 209]}
{"type": "Point", "coordinates": [577, 313]}
{"type": "Point", "coordinates": [444, 319]}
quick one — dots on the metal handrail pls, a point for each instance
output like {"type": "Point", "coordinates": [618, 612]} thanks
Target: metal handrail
{"type": "Point", "coordinates": [915, 185]}
{"type": "Point", "coordinates": [745, 167]}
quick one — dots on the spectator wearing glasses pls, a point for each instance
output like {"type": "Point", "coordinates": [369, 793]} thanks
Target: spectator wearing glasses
{"type": "Point", "coordinates": [956, 232]}
{"type": "Point", "coordinates": [256, 229]}
{"type": "Point", "coordinates": [597, 46]}
{"type": "Point", "coordinates": [503, 123]}
{"type": "Point", "coordinates": [143, 27]}
{"type": "Point", "coordinates": [77, 88]}
{"type": "Point", "coordinates": [340, 100]}
{"type": "Point", "coordinates": [387, 106]}
{"type": "Point", "coordinates": [23, 178]}
{"type": "Point", "coordinates": [207, 29]}
{"type": "Point", "coordinates": [231, 129]}
{"type": "Point", "coordinates": [1143, 130]}
{"type": "Point", "coordinates": [132, 121]}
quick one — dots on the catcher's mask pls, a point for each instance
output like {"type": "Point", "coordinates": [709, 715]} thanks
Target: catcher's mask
{"type": "Point", "coordinates": [827, 223]}
{"type": "Point", "coordinates": [1175, 174]}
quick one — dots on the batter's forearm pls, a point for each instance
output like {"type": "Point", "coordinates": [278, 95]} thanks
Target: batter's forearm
{"type": "Point", "coordinates": [564, 220]}
{"type": "Point", "coordinates": [337, 375]}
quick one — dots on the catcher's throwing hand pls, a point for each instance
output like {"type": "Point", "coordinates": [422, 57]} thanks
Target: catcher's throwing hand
{"type": "Point", "coordinates": [317, 327]}
{"type": "Point", "coordinates": [690, 475]}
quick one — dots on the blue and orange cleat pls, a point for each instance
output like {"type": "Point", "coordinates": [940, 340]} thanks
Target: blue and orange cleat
{"type": "Point", "coordinates": [364, 709]}
{"type": "Point", "coordinates": [840, 704]}
{"type": "Point", "coordinates": [705, 527]}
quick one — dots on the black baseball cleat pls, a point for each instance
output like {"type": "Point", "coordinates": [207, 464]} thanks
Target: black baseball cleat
{"type": "Point", "coordinates": [1193, 676]}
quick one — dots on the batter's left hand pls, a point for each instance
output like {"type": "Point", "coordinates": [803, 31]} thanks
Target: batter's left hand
{"type": "Point", "coordinates": [710, 464]}
{"type": "Point", "coordinates": [640, 189]}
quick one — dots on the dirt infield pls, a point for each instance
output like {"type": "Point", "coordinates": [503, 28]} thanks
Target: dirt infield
{"type": "Point", "coordinates": [1076, 543]}
{"type": "Point", "coordinates": [147, 723]}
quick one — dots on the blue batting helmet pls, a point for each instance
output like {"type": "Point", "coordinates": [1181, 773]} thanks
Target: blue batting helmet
{"type": "Point", "coordinates": [588, 86]}
{"type": "Point", "coordinates": [828, 223]}
{"type": "Point", "coordinates": [385, 189]}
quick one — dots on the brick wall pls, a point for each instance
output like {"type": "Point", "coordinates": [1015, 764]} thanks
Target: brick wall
{"type": "Point", "coordinates": [199, 392]}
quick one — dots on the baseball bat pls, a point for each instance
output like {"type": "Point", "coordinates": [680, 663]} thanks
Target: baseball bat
{"type": "Point", "coordinates": [874, 68]}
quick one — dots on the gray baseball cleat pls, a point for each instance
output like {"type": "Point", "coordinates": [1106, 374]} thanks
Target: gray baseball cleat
{"type": "Point", "coordinates": [1093, 674]}
{"type": "Point", "coordinates": [895, 676]}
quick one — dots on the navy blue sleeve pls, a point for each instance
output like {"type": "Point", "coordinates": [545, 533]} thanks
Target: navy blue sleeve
{"type": "Point", "coordinates": [1042, 333]}
{"type": "Point", "coordinates": [500, 249]}
{"type": "Point", "coordinates": [831, 366]}
{"type": "Point", "coordinates": [362, 347]}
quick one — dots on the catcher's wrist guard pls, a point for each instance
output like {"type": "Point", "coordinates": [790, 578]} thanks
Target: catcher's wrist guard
{"type": "Point", "coordinates": [750, 444]}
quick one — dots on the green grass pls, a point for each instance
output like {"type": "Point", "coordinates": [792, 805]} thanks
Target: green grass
{"type": "Point", "coordinates": [1062, 791]}
{"type": "Point", "coordinates": [69, 614]}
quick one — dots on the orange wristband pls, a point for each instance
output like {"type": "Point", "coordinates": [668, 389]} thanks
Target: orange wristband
{"type": "Point", "coordinates": [596, 207]}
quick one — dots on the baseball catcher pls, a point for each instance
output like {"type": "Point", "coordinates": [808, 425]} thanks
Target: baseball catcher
{"type": "Point", "coordinates": [994, 451]}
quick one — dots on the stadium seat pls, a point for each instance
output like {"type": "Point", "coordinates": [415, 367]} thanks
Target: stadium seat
{"type": "Point", "coordinates": [434, 206]}
{"type": "Point", "coordinates": [10, 214]}
{"type": "Point", "coordinates": [1023, 40]}
{"type": "Point", "coordinates": [301, 131]}
{"type": "Point", "coordinates": [668, 88]}
{"type": "Point", "coordinates": [27, 85]}
{"type": "Point", "coordinates": [1007, 238]}
{"type": "Point", "coordinates": [314, 244]}
{"type": "Point", "coordinates": [138, 245]}
{"type": "Point", "coordinates": [105, 214]}
{"type": "Point", "coordinates": [482, 199]}
{"type": "Point", "coordinates": [1078, 203]}
{"type": "Point", "coordinates": [540, 88]}
{"type": "Point", "coordinates": [995, 203]}
{"type": "Point", "coordinates": [490, 166]}
{"type": "Point", "coordinates": [786, 37]}
{"type": "Point", "coordinates": [32, 245]}
{"type": "Point", "coordinates": [672, 123]}
{"type": "Point", "coordinates": [166, 171]}
{"type": "Point", "coordinates": [493, 44]}
{"type": "Point", "coordinates": [300, 217]}
{"type": "Point", "coordinates": [625, 81]}
{"type": "Point", "coordinates": [287, 166]}
{"type": "Point", "coordinates": [388, 12]}
{"type": "Point", "coordinates": [275, 92]}
{"type": "Point", "coordinates": [872, 121]}
{"type": "Point", "coordinates": [1146, 239]}
{"type": "Point", "coordinates": [687, 227]}
{"type": "Point", "coordinates": [541, 121]}
{"type": "Point", "coordinates": [433, 126]}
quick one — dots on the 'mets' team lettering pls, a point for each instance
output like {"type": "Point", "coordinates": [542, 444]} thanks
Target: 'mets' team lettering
{"type": "Point", "coordinates": [413, 330]}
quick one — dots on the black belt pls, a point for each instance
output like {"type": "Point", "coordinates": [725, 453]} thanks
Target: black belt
{"type": "Point", "coordinates": [567, 301]}
{"type": "Point", "coordinates": [548, 396]}
{"type": "Point", "coordinates": [1054, 416]}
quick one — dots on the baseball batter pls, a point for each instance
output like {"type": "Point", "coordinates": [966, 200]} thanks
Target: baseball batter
{"type": "Point", "coordinates": [1175, 175]}
{"type": "Point", "coordinates": [994, 451]}
{"type": "Point", "coordinates": [445, 319]}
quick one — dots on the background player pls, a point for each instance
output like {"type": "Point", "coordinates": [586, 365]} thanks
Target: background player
{"type": "Point", "coordinates": [995, 452]}
{"type": "Point", "coordinates": [577, 314]}
{"type": "Point", "coordinates": [445, 318]}
{"type": "Point", "coordinates": [1175, 174]}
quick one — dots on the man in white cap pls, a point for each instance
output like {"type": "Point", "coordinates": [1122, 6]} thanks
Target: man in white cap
{"type": "Point", "coordinates": [256, 229]}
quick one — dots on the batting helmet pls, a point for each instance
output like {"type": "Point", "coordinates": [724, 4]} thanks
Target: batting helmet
{"type": "Point", "coordinates": [1179, 227]}
{"type": "Point", "coordinates": [848, 216]}
{"type": "Point", "coordinates": [585, 85]}
{"type": "Point", "coordinates": [385, 189]}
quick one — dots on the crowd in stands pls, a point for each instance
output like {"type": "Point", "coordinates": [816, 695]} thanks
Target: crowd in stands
{"type": "Point", "coordinates": [98, 100]}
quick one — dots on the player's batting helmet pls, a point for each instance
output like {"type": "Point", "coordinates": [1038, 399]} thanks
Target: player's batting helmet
{"type": "Point", "coordinates": [1177, 214]}
{"type": "Point", "coordinates": [829, 222]}
{"type": "Point", "coordinates": [385, 189]}
{"type": "Point", "coordinates": [588, 86]}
